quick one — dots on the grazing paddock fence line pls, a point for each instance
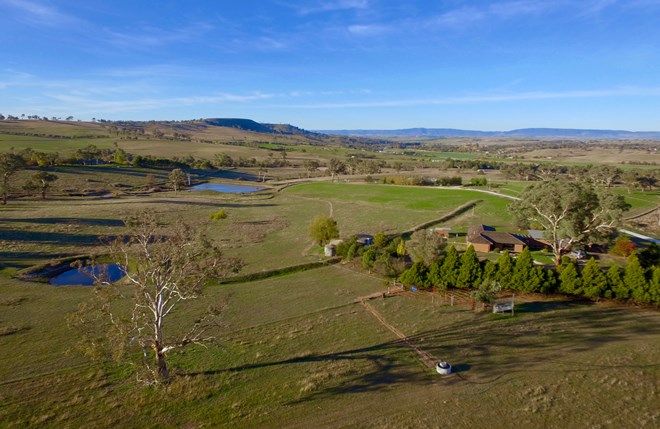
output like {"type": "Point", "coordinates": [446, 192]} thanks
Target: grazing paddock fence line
{"type": "Point", "coordinates": [278, 271]}
{"type": "Point", "coordinates": [444, 218]}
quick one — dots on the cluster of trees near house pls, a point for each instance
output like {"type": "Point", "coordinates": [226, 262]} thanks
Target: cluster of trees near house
{"type": "Point", "coordinates": [638, 281]}
{"type": "Point", "coordinates": [436, 266]}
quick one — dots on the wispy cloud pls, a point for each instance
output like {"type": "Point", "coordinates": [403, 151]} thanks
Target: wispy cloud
{"type": "Point", "coordinates": [511, 9]}
{"type": "Point", "coordinates": [152, 36]}
{"type": "Point", "coordinates": [331, 6]}
{"type": "Point", "coordinates": [368, 29]}
{"type": "Point", "coordinates": [33, 12]}
{"type": "Point", "coordinates": [91, 105]}
{"type": "Point", "coordinates": [485, 98]}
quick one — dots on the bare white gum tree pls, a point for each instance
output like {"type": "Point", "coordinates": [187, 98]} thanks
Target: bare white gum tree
{"type": "Point", "coordinates": [164, 267]}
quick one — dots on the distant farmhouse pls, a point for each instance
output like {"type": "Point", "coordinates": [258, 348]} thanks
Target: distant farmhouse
{"type": "Point", "coordinates": [485, 239]}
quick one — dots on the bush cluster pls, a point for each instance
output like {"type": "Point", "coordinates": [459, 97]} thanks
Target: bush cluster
{"type": "Point", "coordinates": [384, 256]}
{"type": "Point", "coordinates": [638, 281]}
{"type": "Point", "coordinates": [219, 215]}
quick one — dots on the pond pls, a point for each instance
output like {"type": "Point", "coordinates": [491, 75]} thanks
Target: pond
{"type": "Point", "coordinates": [84, 276]}
{"type": "Point", "coordinates": [226, 188]}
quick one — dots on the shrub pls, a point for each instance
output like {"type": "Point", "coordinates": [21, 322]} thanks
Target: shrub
{"type": "Point", "coordinates": [505, 269]}
{"type": "Point", "coordinates": [623, 246]}
{"type": "Point", "coordinates": [350, 254]}
{"type": "Point", "coordinates": [369, 257]}
{"type": "Point", "coordinates": [401, 248]}
{"type": "Point", "coordinates": [219, 215]}
{"type": "Point", "coordinates": [343, 247]}
{"type": "Point", "coordinates": [470, 270]}
{"type": "Point", "coordinates": [450, 181]}
{"type": "Point", "coordinates": [569, 279]}
{"type": "Point", "coordinates": [487, 292]}
{"type": "Point", "coordinates": [450, 268]}
{"type": "Point", "coordinates": [489, 274]}
{"type": "Point", "coordinates": [635, 280]}
{"type": "Point", "coordinates": [525, 277]}
{"type": "Point", "coordinates": [478, 181]}
{"type": "Point", "coordinates": [323, 229]}
{"type": "Point", "coordinates": [594, 281]}
{"type": "Point", "coordinates": [616, 287]}
{"type": "Point", "coordinates": [549, 283]}
{"type": "Point", "coordinates": [380, 240]}
{"type": "Point", "coordinates": [416, 275]}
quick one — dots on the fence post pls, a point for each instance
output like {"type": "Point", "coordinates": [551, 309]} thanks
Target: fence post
{"type": "Point", "coordinates": [513, 302]}
{"type": "Point", "coordinates": [452, 299]}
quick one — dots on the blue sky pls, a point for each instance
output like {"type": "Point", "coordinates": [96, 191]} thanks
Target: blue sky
{"type": "Point", "coordinates": [322, 64]}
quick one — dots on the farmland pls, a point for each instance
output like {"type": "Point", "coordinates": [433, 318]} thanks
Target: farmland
{"type": "Point", "coordinates": [297, 344]}
{"type": "Point", "coordinates": [299, 349]}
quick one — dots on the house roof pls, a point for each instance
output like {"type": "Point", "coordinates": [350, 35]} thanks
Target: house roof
{"type": "Point", "coordinates": [479, 239]}
{"type": "Point", "coordinates": [493, 237]}
{"type": "Point", "coordinates": [502, 237]}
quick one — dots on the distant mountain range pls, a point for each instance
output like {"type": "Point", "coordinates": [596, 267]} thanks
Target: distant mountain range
{"type": "Point", "coordinates": [429, 133]}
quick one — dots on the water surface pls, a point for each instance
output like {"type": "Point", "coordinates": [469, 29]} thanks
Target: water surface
{"type": "Point", "coordinates": [84, 276]}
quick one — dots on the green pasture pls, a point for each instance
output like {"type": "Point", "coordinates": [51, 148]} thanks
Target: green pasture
{"type": "Point", "coordinates": [297, 351]}
{"type": "Point", "coordinates": [372, 198]}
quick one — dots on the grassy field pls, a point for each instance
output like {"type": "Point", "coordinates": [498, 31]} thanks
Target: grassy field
{"type": "Point", "coordinates": [266, 231]}
{"type": "Point", "coordinates": [297, 352]}
{"type": "Point", "coordinates": [406, 200]}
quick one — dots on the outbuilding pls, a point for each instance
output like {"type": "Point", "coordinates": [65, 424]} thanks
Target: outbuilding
{"type": "Point", "coordinates": [364, 239]}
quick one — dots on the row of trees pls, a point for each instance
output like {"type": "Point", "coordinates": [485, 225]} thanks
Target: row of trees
{"type": "Point", "coordinates": [597, 175]}
{"type": "Point", "coordinates": [436, 266]}
{"type": "Point", "coordinates": [34, 117]}
{"type": "Point", "coordinates": [637, 282]}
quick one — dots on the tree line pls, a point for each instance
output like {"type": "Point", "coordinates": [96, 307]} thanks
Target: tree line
{"type": "Point", "coordinates": [638, 281]}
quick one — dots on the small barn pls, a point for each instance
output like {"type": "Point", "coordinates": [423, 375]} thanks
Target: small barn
{"type": "Point", "coordinates": [330, 249]}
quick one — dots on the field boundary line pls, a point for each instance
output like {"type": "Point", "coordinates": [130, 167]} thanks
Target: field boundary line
{"type": "Point", "coordinates": [648, 212]}
{"type": "Point", "coordinates": [275, 272]}
{"type": "Point", "coordinates": [444, 218]}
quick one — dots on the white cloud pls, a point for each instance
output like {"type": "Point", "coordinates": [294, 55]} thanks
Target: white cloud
{"type": "Point", "coordinates": [628, 91]}
{"type": "Point", "coordinates": [152, 36]}
{"type": "Point", "coordinates": [368, 29]}
{"type": "Point", "coordinates": [37, 13]}
{"type": "Point", "coordinates": [511, 9]}
{"type": "Point", "coordinates": [331, 6]}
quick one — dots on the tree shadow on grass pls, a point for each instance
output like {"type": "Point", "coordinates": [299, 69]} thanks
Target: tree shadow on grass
{"type": "Point", "coordinates": [387, 369]}
{"type": "Point", "coordinates": [21, 260]}
{"type": "Point", "coordinates": [53, 237]}
{"type": "Point", "coordinates": [486, 351]}
{"type": "Point", "coordinates": [97, 169]}
{"type": "Point", "coordinates": [67, 220]}
{"type": "Point", "coordinates": [543, 306]}
{"type": "Point", "coordinates": [219, 204]}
